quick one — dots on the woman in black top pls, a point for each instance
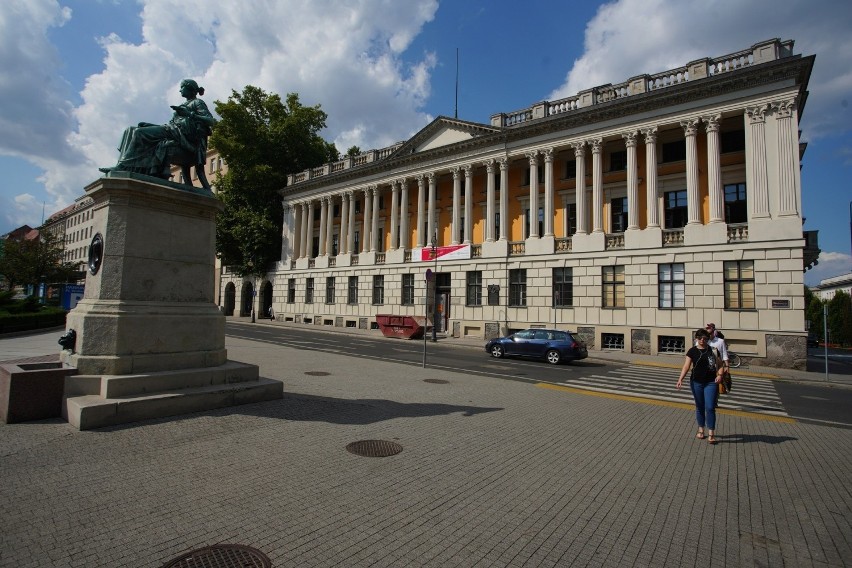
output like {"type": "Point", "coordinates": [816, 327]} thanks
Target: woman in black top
{"type": "Point", "coordinates": [706, 373]}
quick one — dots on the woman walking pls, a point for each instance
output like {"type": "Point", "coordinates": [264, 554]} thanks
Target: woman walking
{"type": "Point", "coordinates": [706, 373]}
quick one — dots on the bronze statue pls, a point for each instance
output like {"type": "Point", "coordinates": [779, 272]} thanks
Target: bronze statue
{"type": "Point", "coordinates": [151, 149]}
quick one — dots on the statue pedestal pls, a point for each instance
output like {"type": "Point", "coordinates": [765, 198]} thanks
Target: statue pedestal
{"type": "Point", "coordinates": [150, 338]}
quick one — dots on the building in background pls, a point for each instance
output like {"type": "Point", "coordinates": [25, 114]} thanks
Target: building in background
{"type": "Point", "coordinates": [631, 213]}
{"type": "Point", "coordinates": [828, 287]}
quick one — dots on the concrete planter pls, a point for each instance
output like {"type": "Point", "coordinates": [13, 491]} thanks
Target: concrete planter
{"type": "Point", "coordinates": [32, 391]}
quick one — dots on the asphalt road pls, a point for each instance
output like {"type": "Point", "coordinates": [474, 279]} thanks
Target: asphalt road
{"type": "Point", "coordinates": [813, 403]}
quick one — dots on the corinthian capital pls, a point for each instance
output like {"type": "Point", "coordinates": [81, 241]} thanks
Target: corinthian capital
{"type": "Point", "coordinates": [630, 138]}
{"type": "Point", "coordinates": [784, 109]}
{"type": "Point", "coordinates": [757, 113]}
{"type": "Point", "coordinates": [690, 126]}
{"type": "Point", "coordinates": [650, 134]}
{"type": "Point", "coordinates": [579, 148]}
{"type": "Point", "coordinates": [711, 122]}
{"type": "Point", "coordinates": [597, 145]}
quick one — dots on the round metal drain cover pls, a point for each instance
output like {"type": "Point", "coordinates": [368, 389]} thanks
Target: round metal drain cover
{"type": "Point", "coordinates": [436, 381]}
{"type": "Point", "coordinates": [317, 373]}
{"type": "Point", "coordinates": [221, 556]}
{"type": "Point", "coordinates": [374, 448]}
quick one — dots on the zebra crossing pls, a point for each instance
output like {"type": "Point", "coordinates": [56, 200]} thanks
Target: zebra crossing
{"type": "Point", "coordinates": [748, 394]}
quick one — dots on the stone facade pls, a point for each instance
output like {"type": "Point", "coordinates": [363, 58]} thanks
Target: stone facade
{"type": "Point", "coordinates": [659, 204]}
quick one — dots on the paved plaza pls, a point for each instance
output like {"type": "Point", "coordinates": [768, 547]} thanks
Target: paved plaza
{"type": "Point", "coordinates": [492, 473]}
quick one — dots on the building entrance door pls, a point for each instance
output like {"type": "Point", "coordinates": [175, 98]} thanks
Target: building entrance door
{"type": "Point", "coordinates": [443, 287]}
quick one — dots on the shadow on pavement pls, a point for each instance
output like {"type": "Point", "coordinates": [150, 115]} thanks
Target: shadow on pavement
{"type": "Point", "coordinates": [754, 438]}
{"type": "Point", "coordinates": [353, 411]}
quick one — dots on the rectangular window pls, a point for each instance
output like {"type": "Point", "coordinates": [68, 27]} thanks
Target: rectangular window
{"type": "Point", "coordinates": [618, 161]}
{"type": "Point", "coordinates": [474, 288]}
{"type": "Point", "coordinates": [352, 292]}
{"type": "Point", "coordinates": [356, 243]}
{"type": "Point", "coordinates": [329, 290]}
{"type": "Point", "coordinates": [674, 205]}
{"type": "Point", "coordinates": [407, 289]}
{"type": "Point", "coordinates": [335, 242]}
{"type": "Point", "coordinates": [357, 207]}
{"type": "Point", "coordinates": [309, 291]}
{"type": "Point", "coordinates": [674, 151]}
{"type": "Point", "coordinates": [563, 287]}
{"type": "Point", "coordinates": [733, 141]}
{"type": "Point", "coordinates": [572, 219]}
{"type": "Point", "coordinates": [291, 290]}
{"type": "Point", "coordinates": [613, 286]}
{"type": "Point", "coordinates": [496, 226]}
{"type": "Point", "coordinates": [671, 284]}
{"type": "Point", "coordinates": [739, 285]}
{"type": "Point", "coordinates": [378, 289]}
{"type": "Point", "coordinates": [315, 247]}
{"type": "Point", "coordinates": [736, 203]}
{"type": "Point", "coordinates": [527, 222]}
{"type": "Point", "coordinates": [539, 172]}
{"type": "Point", "coordinates": [336, 210]}
{"type": "Point", "coordinates": [571, 169]}
{"type": "Point", "coordinates": [518, 287]}
{"type": "Point", "coordinates": [618, 214]}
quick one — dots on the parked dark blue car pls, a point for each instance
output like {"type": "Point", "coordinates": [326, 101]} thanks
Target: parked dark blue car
{"type": "Point", "coordinates": [552, 345]}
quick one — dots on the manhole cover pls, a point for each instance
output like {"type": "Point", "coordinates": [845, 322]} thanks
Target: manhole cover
{"type": "Point", "coordinates": [317, 373]}
{"type": "Point", "coordinates": [374, 448]}
{"type": "Point", "coordinates": [436, 381]}
{"type": "Point", "coordinates": [221, 556]}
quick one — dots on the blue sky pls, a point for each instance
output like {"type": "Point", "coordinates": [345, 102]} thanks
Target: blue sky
{"type": "Point", "coordinates": [73, 73]}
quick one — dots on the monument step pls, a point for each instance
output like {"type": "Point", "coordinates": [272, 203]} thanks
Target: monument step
{"type": "Point", "coordinates": [93, 411]}
{"type": "Point", "coordinates": [113, 386]}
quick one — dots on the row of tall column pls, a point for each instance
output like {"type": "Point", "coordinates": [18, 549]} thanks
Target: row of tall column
{"type": "Point", "coordinates": [302, 212]}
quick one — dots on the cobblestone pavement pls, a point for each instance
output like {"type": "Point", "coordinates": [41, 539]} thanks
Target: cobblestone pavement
{"type": "Point", "coordinates": [493, 473]}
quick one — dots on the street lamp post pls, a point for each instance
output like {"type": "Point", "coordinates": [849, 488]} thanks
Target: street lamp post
{"type": "Point", "coordinates": [435, 288]}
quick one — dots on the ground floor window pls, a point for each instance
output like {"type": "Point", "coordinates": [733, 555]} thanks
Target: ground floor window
{"type": "Point", "coordinates": [474, 288]}
{"type": "Point", "coordinates": [378, 289]}
{"type": "Point", "coordinates": [329, 290]}
{"type": "Point", "coordinates": [671, 285]}
{"type": "Point", "coordinates": [613, 286]}
{"type": "Point", "coordinates": [518, 287]}
{"type": "Point", "coordinates": [407, 289]}
{"type": "Point", "coordinates": [309, 291]}
{"type": "Point", "coordinates": [739, 285]}
{"type": "Point", "coordinates": [563, 287]}
{"type": "Point", "coordinates": [352, 292]}
{"type": "Point", "coordinates": [291, 291]}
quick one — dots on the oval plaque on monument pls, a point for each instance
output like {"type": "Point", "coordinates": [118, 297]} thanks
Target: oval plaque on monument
{"type": "Point", "coordinates": [96, 253]}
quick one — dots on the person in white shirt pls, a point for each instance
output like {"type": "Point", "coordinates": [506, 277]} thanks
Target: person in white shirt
{"type": "Point", "coordinates": [717, 340]}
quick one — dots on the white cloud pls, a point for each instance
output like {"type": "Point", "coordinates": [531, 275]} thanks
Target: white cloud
{"type": "Point", "coordinates": [346, 55]}
{"type": "Point", "coordinates": [627, 37]}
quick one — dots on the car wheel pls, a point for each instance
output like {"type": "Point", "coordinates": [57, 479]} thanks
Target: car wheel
{"type": "Point", "coordinates": [497, 351]}
{"type": "Point", "coordinates": [553, 357]}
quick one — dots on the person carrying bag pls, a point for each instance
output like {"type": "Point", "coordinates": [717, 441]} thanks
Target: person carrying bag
{"type": "Point", "coordinates": [707, 372]}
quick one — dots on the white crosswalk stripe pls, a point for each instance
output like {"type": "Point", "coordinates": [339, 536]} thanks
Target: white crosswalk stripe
{"type": "Point", "coordinates": [748, 394]}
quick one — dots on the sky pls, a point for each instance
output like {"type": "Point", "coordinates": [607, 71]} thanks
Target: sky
{"type": "Point", "coordinates": [74, 73]}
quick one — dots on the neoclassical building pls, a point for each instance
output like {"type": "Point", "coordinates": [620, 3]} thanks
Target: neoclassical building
{"type": "Point", "coordinates": [631, 214]}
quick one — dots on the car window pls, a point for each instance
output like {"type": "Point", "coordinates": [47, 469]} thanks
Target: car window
{"type": "Point", "coordinates": [560, 336]}
{"type": "Point", "coordinates": [526, 334]}
{"type": "Point", "coordinates": [541, 334]}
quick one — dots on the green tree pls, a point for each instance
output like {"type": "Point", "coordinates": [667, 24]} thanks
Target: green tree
{"type": "Point", "coordinates": [840, 318]}
{"type": "Point", "coordinates": [36, 260]}
{"type": "Point", "coordinates": [813, 314]}
{"type": "Point", "coordinates": [262, 139]}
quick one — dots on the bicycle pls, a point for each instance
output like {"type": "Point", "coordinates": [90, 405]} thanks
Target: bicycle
{"type": "Point", "coordinates": [734, 360]}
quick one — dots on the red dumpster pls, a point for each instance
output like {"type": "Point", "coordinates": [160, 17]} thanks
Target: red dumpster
{"type": "Point", "coordinates": [404, 327]}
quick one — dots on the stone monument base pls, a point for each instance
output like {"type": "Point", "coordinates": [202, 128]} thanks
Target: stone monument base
{"type": "Point", "coordinates": [93, 401]}
{"type": "Point", "coordinates": [150, 340]}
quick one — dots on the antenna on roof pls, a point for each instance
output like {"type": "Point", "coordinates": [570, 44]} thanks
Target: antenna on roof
{"type": "Point", "coordinates": [457, 85]}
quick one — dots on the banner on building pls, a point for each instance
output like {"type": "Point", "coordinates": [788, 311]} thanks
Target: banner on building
{"type": "Point", "coordinates": [452, 252]}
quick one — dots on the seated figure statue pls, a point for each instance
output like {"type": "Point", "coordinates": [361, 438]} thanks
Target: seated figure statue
{"type": "Point", "coordinates": [151, 149]}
